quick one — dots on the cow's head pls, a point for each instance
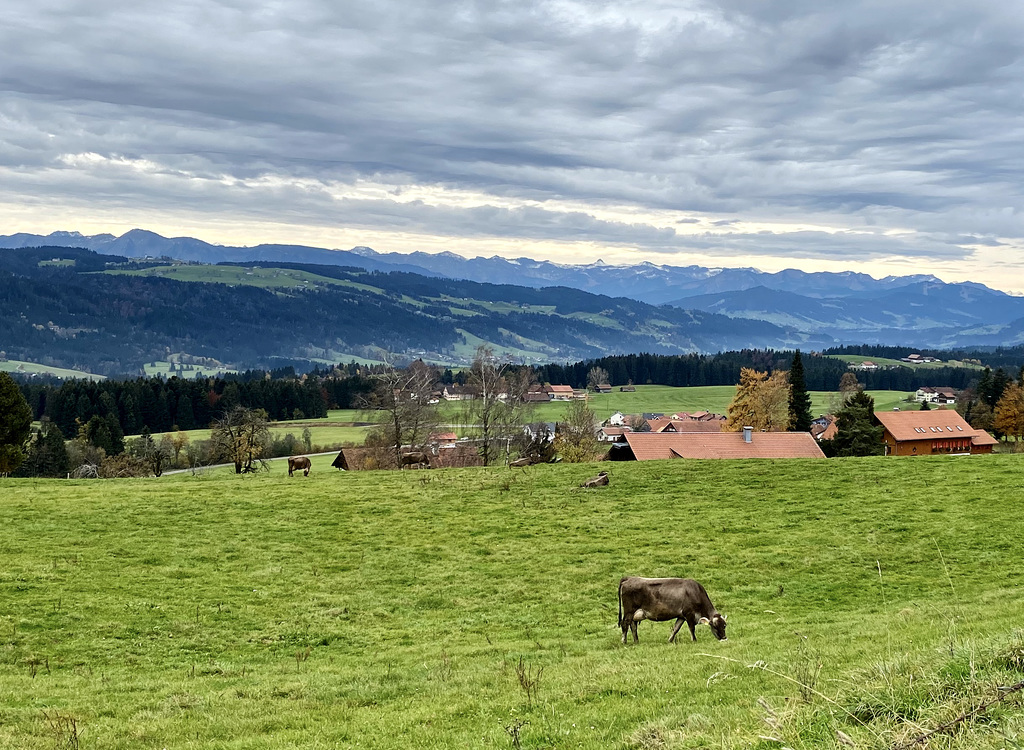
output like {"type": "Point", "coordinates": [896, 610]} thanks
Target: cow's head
{"type": "Point", "coordinates": [717, 624]}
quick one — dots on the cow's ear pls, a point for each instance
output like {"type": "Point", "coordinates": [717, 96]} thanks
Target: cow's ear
{"type": "Point", "coordinates": [703, 621]}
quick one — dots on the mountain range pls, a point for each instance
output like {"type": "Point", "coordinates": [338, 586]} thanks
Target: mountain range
{"type": "Point", "coordinates": [111, 315]}
{"type": "Point", "coordinates": [829, 308]}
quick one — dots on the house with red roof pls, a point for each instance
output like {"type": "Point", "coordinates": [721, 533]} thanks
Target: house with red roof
{"type": "Point", "coordinates": [653, 446]}
{"type": "Point", "coordinates": [559, 392]}
{"type": "Point", "coordinates": [925, 433]}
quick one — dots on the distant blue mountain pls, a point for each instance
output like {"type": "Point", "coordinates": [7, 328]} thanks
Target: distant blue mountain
{"type": "Point", "coordinates": [850, 307]}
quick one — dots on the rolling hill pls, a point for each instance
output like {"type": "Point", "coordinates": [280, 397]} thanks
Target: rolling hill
{"type": "Point", "coordinates": [111, 314]}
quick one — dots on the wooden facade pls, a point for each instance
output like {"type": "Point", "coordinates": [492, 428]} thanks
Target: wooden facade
{"type": "Point", "coordinates": [929, 433]}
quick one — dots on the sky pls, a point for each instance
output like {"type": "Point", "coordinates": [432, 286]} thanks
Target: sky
{"type": "Point", "coordinates": [881, 137]}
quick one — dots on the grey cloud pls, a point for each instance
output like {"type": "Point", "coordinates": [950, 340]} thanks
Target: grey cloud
{"type": "Point", "coordinates": [859, 114]}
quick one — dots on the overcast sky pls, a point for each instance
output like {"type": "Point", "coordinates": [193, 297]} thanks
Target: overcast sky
{"type": "Point", "coordinates": [884, 137]}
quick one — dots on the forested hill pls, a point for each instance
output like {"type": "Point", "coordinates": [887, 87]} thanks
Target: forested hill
{"type": "Point", "coordinates": [71, 307]}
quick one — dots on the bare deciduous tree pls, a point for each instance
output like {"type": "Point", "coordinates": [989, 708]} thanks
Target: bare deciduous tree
{"type": "Point", "coordinates": [402, 399]}
{"type": "Point", "coordinates": [242, 437]}
{"type": "Point", "coordinates": [497, 412]}
{"type": "Point", "coordinates": [596, 376]}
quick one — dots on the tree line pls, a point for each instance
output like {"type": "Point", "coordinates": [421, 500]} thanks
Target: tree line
{"type": "Point", "coordinates": [822, 372]}
{"type": "Point", "coordinates": [127, 407]}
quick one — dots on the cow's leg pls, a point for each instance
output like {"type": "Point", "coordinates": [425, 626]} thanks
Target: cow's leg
{"type": "Point", "coordinates": [679, 624]}
{"type": "Point", "coordinates": [625, 627]}
{"type": "Point", "coordinates": [693, 631]}
{"type": "Point", "coordinates": [290, 471]}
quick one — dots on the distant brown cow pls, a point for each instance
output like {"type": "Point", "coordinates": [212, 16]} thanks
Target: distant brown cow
{"type": "Point", "coordinates": [660, 599]}
{"type": "Point", "coordinates": [415, 458]}
{"type": "Point", "coordinates": [601, 480]}
{"type": "Point", "coordinates": [521, 462]}
{"type": "Point", "coordinates": [299, 463]}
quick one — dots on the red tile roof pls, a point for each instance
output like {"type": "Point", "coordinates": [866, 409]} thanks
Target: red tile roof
{"type": "Point", "coordinates": [934, 423]}
{"type": "Point", "coordinates": [558, 389]}
{"type": "Point", "coordinates": [615, 430]}
{"type": "Point", "coordinates": [983, 438]}
{"type": "Point", "coordinates": [649, 446]}
{"type": "Point", "coordinates": [683, 425]}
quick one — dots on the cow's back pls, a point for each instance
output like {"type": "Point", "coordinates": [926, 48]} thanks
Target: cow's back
{"type": "Point", "coordinates": [664, 597]}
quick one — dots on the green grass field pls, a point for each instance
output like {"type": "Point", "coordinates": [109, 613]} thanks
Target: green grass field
{"type": "Point", "coordinates": [477, 608]}
{"type": "Point", "coordinates": [265, 278]}
{"type": "Point", "coordinates": [160, 367]}
{"type": "Point", "coordinates": [647, 398]}
{"type": "Point", "coordinates": [27, 368]}
{"type": "Point", "coordinates": [669, 400]}
{"type": "Point", "coordinates": [884, 362]}
{"type": "Point", "coordinates": [321, 434]}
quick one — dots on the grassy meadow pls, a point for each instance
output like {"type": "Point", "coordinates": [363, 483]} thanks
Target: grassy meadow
{"type": "Point", "coordinates": [336, 429]}
{"type": "Point", "coordinates": [29, 368]}
{"type": "Point", "coordinates": [477, 608]}
{"type": "Point", "coordinates": [669, 400]}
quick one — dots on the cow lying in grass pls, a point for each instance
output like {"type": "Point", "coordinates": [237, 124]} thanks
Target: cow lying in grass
{"type": "Point", "coordinates": [660, 599]}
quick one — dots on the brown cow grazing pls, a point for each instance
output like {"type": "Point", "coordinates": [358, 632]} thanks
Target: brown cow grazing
{"type": "Point", "coordinates": [415, 458]}
{"type": "Point", "coordinates": [299, 463]}
{"type": "Point", "coordinates": [601, 480]}
{"type": "Point", "coordinates": [660, 599]}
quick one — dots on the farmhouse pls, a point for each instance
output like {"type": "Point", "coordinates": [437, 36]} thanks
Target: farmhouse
{"type": "Point", "coordinates": [612, 434]}
{"type": "Point", "coordinates": [700, 416]}
{"type": "Point", "coordinates": [923, 433]}
{"type": "Point", "coordinates": [866, 365]}
{"type": "Point", "coordinates": [648, 446]}
{"type": "Point", "coordinates": [935, 395]}
{"type": "Point", "coordinates": [559, 392]}
{"type": "Point", "coordinates": [457, 392]}
{"type": "Point", "coordinates": [536, 397]}
{"type": "Point", "coordinates": [684, 425]}
{"type": "Point", "coordinates": [824, 427]}
{"type": "Point", "coordinates": [604, 388]}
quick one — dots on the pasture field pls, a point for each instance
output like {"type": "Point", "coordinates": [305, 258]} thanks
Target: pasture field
{"type": "Point", "coordinates": [669, 400]}
{"type": "Point", "coordinates": [322, 434]}
{"type": "Point", "coordinates": [163, 368]}
{"type": "Point", "coordinates": [648, 398]}
{"type": "Point", "coordinates": [878, 598]}
{"type": "Point", "coordinates": [857, 359]}
{"type": "Point", "coordinates": [28, 368]}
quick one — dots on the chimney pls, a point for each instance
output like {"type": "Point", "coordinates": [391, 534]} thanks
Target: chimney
{"type": "Point", "coordinates": [748, 434]}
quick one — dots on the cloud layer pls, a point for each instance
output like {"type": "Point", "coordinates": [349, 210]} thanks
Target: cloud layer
{"type": "Point", "coordinates": [799, 131]}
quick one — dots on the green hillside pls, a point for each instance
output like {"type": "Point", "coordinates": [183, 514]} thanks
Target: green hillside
{"type": "Point", "coordinates": [477, 608]}
{"type": "Point", "coordinates": [113, 315]}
